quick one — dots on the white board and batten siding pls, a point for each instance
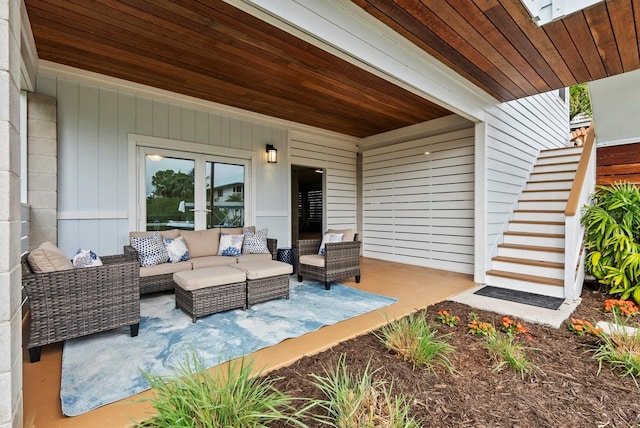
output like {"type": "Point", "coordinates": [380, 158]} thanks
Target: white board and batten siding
{"type": "Point", "coordinates": [419, 208]}
{"type": "Point", "coordinates": [94, 124]}
{"type": "Point", "coordinates": [338, 157]}
{"type": "Point", "coordinates": [516, 133]}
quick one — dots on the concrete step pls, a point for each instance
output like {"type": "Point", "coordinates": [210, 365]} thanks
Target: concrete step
{"type": "Point", "coordinates": [529, 283]}
{"type": "Point", "coordinates": [531, 252]}
{"type": "Point", "coordinates": [556, 167]}
{"type": "Point", "coordinates": [514, 265]}
{"type": "Point", "coordinates": [566, 174]}
{"type": "Point", "coordinates": [550, 185]}
{"type": "Point", "coordinates": [562, 194]}
{"type": "Point", "coordinates": [542, 204]}
{"type": "Point", "coordinates": [536, 239]}
{"type": "Point", "coordinates": [551, 227]}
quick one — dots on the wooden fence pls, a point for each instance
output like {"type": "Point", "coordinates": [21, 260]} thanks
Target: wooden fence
{"type": "Point", "coordinates": [618, 163]}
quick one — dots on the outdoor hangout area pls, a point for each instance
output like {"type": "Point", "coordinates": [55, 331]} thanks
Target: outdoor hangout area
{"type": "Point", "coordinates": [317, 214]}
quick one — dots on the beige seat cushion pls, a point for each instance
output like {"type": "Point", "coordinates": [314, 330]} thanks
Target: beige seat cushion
{"type": "Point", "coordinates": [208, 277]}
{"type": "Point", "coordinates": [347, 234]}
{"type": "Point", "coordinates": [246, 258]}
{"type": "Point", "coordinates": [202, 242]}
{"type": "Point", "coordinates": [312, 260]}
{"type": "Point", "coordinates": [212, 261]}
{"type": "Point", "coordinates": [48, 258]}
{"type": "Point", "coordinates": [264, 269]}
{"type": "Point", "coordinates": [237, 230]}
{"type": "Point", "coordinates": [165, 268]}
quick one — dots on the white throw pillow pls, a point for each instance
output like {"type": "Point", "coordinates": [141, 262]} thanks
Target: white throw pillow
{"type": "Point", "coordinates": [230, 245]}
{"type": "Point", "coordinates": [328, 238]}
{"type": "Point", "coordinates": [86, 258]}
{"type": "Point", "coordinates": [150, 248]}
{"type": "Point", "coordinates": [177, 249]}
{"type": "Point", "coordinates": [255, 243]}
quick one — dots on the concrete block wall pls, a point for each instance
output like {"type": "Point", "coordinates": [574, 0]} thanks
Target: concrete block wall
{"type": "Point", "coordinates": [10, 225]}
{"type": "Point", "coordinates": [42, 187]}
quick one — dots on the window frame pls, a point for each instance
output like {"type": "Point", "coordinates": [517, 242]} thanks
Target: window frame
{"type": "Point", "coordinates": [141, 145]}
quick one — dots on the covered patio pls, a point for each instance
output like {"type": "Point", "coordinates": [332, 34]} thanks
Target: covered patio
{"type": "Point", "coordinates": [414, 287]}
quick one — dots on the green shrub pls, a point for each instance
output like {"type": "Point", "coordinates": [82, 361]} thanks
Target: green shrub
{"type": "Point", "coordinates": [359, 401]}
{"type": "Point", "coordinates": [232, 398]}
{"type": "Point", "coordinates": [417, 341]}
{"type": "Point", "coordinates": [505, 350]}
{"type": "Point", "coordinates": [612, 239]}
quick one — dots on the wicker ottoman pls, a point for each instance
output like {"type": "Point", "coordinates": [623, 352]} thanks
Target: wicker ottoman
{"type": "Point", "coordinates": [266, 280]}
{"type": "Point", "coordinates": [206, 291]}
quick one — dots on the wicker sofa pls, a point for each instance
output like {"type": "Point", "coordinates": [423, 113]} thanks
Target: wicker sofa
{"type": "Point", "coordinates": [340, 259]}
{"type": "Point", "coordinates": [69, 303]}
{"type": "Point", "coordinates": [203, 248]}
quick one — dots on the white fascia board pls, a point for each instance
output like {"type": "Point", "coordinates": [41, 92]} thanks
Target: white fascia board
{"type": "Point", "coordinates": [345, 30]}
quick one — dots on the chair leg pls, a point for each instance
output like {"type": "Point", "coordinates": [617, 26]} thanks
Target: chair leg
{"type": "Point", "coordinates": [133, 328]}
{"type": "Point", "coordinates": [357, 279]}
{"type": "Point", "coordinates": [34, 354]}
{"type": "Point", "coordinates": [299, 278]}
{"type": "Point", "coordinates": [327, 285]}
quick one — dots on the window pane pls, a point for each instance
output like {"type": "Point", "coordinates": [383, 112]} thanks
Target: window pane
{"type": "Point", "coordinates": [169, 193]}
{"type": "Point", "coordinates": [225, 195]}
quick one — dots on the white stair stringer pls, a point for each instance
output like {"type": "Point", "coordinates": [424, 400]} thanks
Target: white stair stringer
{"type": "Point", "coordinates": [532, 255]}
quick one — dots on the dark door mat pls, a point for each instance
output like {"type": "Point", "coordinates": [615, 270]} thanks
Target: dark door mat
{"type": "Point", "coordinates": [532, 299]}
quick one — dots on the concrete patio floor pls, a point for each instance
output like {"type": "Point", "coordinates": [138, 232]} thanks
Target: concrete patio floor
{"type": "Point", "coordinates": [414, 287]}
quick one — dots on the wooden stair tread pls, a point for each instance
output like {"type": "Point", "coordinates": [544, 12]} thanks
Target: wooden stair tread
{"type": "Point", "coordinates": [529, 262]}
{"type": "Point", "coordinates": [528, 278]}
{"type": "Point", "coordinates": [553, 172]}
{"type": "Point", "coordinates": [549, 223]}
{"type": "Point", "coordinates": [532, 248]}
{"type": "Point", "coordinates": [536, 234]}
{"type": "Point", "coordinates": [538, 211]}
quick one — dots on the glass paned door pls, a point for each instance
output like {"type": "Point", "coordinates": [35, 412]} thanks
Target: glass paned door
{"type": "Point", "coordinates": [225, 194]}
{"type": "Point", "coordinates": [170, 191]}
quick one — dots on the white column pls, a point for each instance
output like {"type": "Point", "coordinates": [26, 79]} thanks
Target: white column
{"type": "Point", "coordinates": [10, 272]}
{"type": "Point", "coordinates": [480, 203]}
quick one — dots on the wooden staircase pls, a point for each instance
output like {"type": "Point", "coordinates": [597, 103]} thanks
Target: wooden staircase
{"type": "Point", "coordinates": [531, 257]}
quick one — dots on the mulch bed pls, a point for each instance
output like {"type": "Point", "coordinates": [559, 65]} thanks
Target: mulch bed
{"type": "Point", "coordinates": [568, 392]}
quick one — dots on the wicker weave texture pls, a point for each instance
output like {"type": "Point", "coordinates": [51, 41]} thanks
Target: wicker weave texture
{"type": "Point", "coordinates": [261, 290]}
{"type": "Point", "coordinates": [210, 300]}
{"type": "Point", "coordinates": [342, 260]}
{"type": "Point", "coordinates": [78, 302]}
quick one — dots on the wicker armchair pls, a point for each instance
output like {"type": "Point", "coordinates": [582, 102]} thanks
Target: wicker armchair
{"type": "Point", "coordinates": [341, 260]}
{"type": "Point", "coordinates": [78, 302]}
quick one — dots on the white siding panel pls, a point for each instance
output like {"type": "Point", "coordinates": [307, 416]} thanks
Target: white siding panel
{"type": "Point", "coordinates": [418, 208]}
{"type": "Point", "coordinates": [93, 135]}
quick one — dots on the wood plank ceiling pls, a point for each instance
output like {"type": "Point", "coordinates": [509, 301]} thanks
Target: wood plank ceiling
{"type": "Point", "coordinates": [213, 51]}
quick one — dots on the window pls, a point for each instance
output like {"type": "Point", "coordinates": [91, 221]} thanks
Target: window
{"type": "Point", "coordinates": [190, 191]}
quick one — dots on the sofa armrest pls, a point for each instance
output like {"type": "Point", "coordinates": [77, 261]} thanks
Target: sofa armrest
{"type": "Point", "coordinates": [272, 245]}
{"type": "Point", "coordinates": [342, 254]}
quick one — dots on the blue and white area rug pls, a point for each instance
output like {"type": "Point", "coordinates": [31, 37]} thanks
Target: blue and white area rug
{"type": "Point", "coordinates": [106, 367]}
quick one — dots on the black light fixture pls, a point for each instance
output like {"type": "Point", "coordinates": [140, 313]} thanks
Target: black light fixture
{"type": "Point", "coordinates": [272, 154]}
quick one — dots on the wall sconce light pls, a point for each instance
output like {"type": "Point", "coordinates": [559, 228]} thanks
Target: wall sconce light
{"type": "Point", "coordinates": [272, 154]}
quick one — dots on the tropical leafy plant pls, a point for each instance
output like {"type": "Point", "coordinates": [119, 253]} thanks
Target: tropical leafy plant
{"type": "Point", "coordinates": [612, 239]}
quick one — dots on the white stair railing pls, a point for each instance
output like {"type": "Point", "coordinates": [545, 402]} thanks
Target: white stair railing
{"type": "Point", "coordinates": [583, 187]}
